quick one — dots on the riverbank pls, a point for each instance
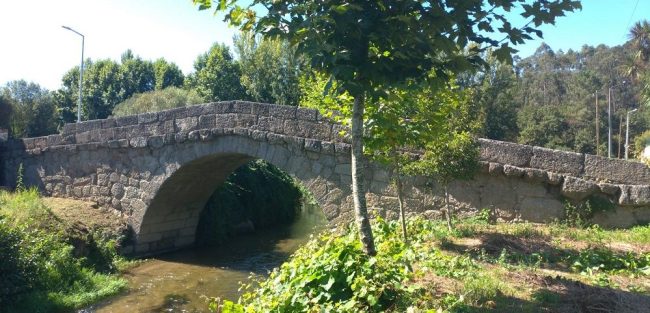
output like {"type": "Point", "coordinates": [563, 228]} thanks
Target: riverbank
{"type": "Point", "coordinates": [57, 254]}
{"type": "Point", "coordinates": [477, 267]}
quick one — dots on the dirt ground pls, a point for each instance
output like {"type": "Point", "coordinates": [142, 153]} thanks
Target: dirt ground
{"type": "Point", "coordinates": [84, 215]}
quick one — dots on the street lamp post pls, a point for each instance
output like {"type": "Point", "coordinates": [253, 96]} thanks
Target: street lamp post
{"type": "Point", "coordinates": [627, 132]}
{"type": "Point", "coordinates": [81, 70]}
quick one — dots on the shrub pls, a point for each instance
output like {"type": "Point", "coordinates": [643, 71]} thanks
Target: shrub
{"type": "Point", "coordinates": [332, 274]}
{"type": "Point", "coordinates": [157, 100]}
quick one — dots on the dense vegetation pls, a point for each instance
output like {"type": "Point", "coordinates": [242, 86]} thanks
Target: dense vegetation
{"type": "Point", "coordinates": [475, 268]}
{"type": "Point", "coordinates": [256, 196]}
{"type": "Point", "coordinates": [40, 269]}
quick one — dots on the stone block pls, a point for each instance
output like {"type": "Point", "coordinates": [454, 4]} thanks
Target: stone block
{"type": "Point", "coordinates": [618, 218]}
{"type": "Point", "coordinates": [327, 147]}
{"type": "Point", "coordinates": [282, 111]}
{"type": "Point", "coordinates": [578, 189]}
{"type": "Point", "coordinates": [541, 210]}
{"type": "Point", "coordinates": [312, 145]}
{"type": "Point", "coordinates": [170, 115]}
{"type": "Point", "coordinates": [126, 120]}
{"type": "Point", "coordinates": [207, 121]}
{"type": "Point", "coordinates": [343, 169]}
{"type": "Point", "coordinates": [260, 109]}
{"type": "Point", "coordinates": [306, 114]}
{"type": "Point", "coordinates": [245, 120]}
{"type": "Point", "coordinates": [69, 128]}
{"type": "Point", "coordinates": [558, 161]}
{"type": "Point", "coordinates": [108, 123]}
{"type": "Point", "coordinates": [513, 171]}
{"type": "Point", "coordinates": [495, 168]}
{"type": "Point", "coordinates": [155, 141]}
{"type": "Point", "coordinates": [187, 124]}
{"type": "Point", "coordinates": [505, 152]}
{"type": "Point", "coordinates": [225, 120]}
{"type": "Point", "coordinates": [617, 171]}
{"type": "Point", "coordinates": [535, 175]}
{"type": "Point", "coordinates": [83, 137]}
{"type": "Point", "coordinates": [635, 195]}
{"type": "Point", "coordinates": [54, 140]}
{"type": "Point", "coordinates": [138, 142]}
{"type": "Point", "coordinates": [194, 110]}
{"type": "Point", "coordinates": [89, 125]}
{"type": "Point", "coordinates": [342, 148]}
{"type": "Point", "coordinates": [147, 118]}
{"type": "Point", "coordinates": [223, 107]}
{"type": "Point", "coordinates": [242, 107]}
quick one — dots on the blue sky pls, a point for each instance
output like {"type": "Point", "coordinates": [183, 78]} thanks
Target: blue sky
{"type": "Point", "coordinates": [36, 48]}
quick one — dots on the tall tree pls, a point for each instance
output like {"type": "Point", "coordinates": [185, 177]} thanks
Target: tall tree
{"type": "Point", "coordinates": [6, 110]}
{"type": "Point", "coordinates": [167, 74]}
{"type": "Point", "coordinates": [107, 83]}
{"type": "Point", "coordinates": [495, 93]}
{"type": "Point", "coordinates": [216, 75]}
{"type": "Point", "coordinates": [366, 46]}
{"type": "Point", "coordinates": [270, 69]}
{"type": "Point", "coordinates": [136, 75]}
{"type": "Point", "coordinates": [33, 109]}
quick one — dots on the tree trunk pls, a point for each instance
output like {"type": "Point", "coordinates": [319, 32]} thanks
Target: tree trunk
{"type": "Point", "coordinates": [358, 191]}
{"type": "Point", "coordinates": [447, 209]}
{"type": "Point", "coordinates": [400, 200]}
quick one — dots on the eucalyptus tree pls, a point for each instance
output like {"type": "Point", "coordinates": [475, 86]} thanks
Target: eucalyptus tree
{"type": "Point", "coordinates": [366, 46]}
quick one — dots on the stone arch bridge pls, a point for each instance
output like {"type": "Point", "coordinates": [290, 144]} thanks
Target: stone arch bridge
{"type": "Point", "coordinates": [159, 169]}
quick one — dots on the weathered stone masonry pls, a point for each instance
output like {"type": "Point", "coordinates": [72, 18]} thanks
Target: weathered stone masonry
{"type": "Point", "coordinates": [158, 169]}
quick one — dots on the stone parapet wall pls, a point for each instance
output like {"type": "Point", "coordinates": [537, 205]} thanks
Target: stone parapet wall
{"type": "Point", "coordinates": [578, 175]}
{"type": "Point", "coordinates": [584, 166]}
{"type": "Point", "coordinates": [134, 130]}
{"type": "Point", "coordinates": [159, 168]}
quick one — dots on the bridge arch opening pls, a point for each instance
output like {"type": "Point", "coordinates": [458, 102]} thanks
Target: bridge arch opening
{"type": "Point", "coordinates": [184, 184]}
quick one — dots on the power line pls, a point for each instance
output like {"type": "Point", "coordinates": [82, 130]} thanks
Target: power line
{"type": "Point", "coordinates": [630, 19]}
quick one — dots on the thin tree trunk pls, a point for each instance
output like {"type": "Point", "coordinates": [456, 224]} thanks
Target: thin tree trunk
{"type": "Point", "coordinates": [358, 190]}
{"type": "Point", "coordinates": [400, 200]}
{"type": "Point", "coordinates": [447, 209]}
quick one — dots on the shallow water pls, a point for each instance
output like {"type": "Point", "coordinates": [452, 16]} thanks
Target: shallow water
{"type": "Point", "coordinates": [180, 281]}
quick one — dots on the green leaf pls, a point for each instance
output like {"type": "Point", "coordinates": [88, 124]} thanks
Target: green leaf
{"type": "Point", "coordinates": [329, 283]}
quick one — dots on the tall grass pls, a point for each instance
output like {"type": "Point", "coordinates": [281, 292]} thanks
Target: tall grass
{"type": "Point", "coordinates": [39, 271]}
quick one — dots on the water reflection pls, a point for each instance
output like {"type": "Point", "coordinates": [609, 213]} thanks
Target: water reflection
{"type": "Point", "coordinates": [180, 281]}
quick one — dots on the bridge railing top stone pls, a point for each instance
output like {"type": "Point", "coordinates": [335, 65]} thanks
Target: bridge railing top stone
{"type": "Point", "coordinates": [279, 119]}
{"type": "Point", "coordinates": [585, 166]}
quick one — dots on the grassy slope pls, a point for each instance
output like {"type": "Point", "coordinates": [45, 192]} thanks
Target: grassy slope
{"type": "Point", "coordinates": [65, 253]}
{"type": "Point", "coordinates": [476, 268]}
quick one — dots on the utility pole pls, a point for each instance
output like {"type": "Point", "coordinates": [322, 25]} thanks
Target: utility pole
{"type": "Point", "coordinates": [597, 126]}
{"type": "Point", "coordinates": [620, 135]}
{"type": "Point", "coordinates": [609, 123]}
{"type": "Point", "coordinates": [627, 133]}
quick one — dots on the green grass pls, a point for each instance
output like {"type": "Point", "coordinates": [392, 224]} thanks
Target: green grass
{"type": "Point", "coordinates": [39, 270]}
{"type": "Point", "coordinates": [477, 267]}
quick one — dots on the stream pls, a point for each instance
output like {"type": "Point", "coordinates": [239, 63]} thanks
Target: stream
{"type": "Point", "coordinates": [180, 281]}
